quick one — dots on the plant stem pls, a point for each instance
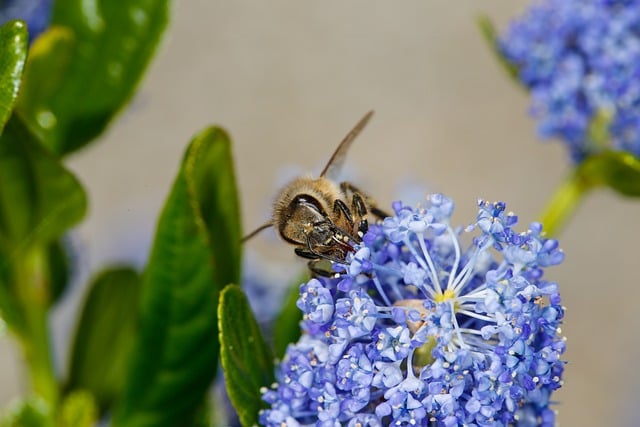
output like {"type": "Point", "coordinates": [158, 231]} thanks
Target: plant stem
{"type": "Point", "coordinates": [32, 290]}
{"type": "Point", "coordinates": [564, 202]}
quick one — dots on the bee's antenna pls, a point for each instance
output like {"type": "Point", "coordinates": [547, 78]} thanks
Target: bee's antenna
{"type": "Point", "coordinates": [256, 231]}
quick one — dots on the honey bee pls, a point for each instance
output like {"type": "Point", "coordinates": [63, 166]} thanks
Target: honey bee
{"type": "Point", "coordinates": [323, 219]}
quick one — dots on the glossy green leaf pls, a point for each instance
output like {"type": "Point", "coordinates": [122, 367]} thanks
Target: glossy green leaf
{"type": "Point", "coordinates": [78, 410]}
{"type": "Point", "coordinates": [50, 56]}
{"type": "Point", "coordinates": [176, 352]}
{"type": "Point", "coordinates": [286, 328]}
{"type": "Point", "coordinates": [246, 358]}
{"type": "Point", "coordinates": [107, 325]}
{"type": "Point", "coordinates": [39, 198]}
{"type": "Point", "coordinates": [490, 35]}
{"type": "Point", "coordinates": [618, 170]}
{"type": "Point", "coordinates": [114, 42]}
{"type": "Point", "coordinates": [14, 42]}
{"type": "Point", "coordinates": [210, 170]}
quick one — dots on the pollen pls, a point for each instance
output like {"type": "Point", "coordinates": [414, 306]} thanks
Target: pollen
{"type": "Point", "coordinates": [447, 295]}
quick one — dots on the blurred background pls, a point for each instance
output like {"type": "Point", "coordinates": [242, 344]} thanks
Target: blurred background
{"type": "Point", "coordinates": [288, 79]}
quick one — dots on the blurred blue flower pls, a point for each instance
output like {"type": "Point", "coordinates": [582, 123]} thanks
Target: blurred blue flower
{"type": "Point", "coordinates": [267, 283]}
{"type": "Point", "coordinates": [417, 328]}
{"type": "Point", "coordinates": [36, 13]}
{"type": "Point", "coordinates": [580, 59]}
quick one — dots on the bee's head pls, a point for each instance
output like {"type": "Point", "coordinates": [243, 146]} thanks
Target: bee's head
{"type": "Point", "coordinates": [305, 220]}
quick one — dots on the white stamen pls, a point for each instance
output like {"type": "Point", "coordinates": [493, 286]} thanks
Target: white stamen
{"type": "Point", "coordinates": [432, 267]}
{"type": "Point", "coordinates": [421, 260]}
{"type": "Point", "coordinates": [456, 326]}
{"type": "Point", "coordinates": [456, 262]}
{"type": "Point", "coordinates": [477, 315]}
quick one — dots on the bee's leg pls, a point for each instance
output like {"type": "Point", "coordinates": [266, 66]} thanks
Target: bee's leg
{"type": "Point", "coordinates": [319, 252]}
{"type": "Point", "coordinates": [332, 235]}
{"type": "Point", "coordinates": [371, 203]}
{"type": "Point", "coordinates": [320, 268]}
{"type": "Point", "coordinates": [330, 258]}
{"type": "Point", "coordinates": [341, 211]}
{"type": "Point", "coordinates": [306, 253]}
{"type": "Point", "coordinates": [360, 208]}
{"type": "Point", "coordinates": [379, 213]}
{"type": "Point", "coordinates": [340, 208]}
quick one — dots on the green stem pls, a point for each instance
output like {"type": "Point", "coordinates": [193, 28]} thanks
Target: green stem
{"type": "Point", "coordinates": [32, 290]}
{"type": "Point", "coordinates": [564, 202]}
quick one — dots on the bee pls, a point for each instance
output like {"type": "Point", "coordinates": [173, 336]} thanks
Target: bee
{"type": "Point", "coordinates": [321, 218]}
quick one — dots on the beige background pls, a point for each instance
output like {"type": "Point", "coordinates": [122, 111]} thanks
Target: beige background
{"type": "Point", "coordinates": [288, 78]}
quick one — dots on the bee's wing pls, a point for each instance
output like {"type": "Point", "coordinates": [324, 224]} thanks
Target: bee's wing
{"type": "Point", "coordinates": [337, 159]}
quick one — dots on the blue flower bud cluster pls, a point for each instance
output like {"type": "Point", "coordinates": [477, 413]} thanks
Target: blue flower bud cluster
{"type": "Point", "coordinates": [580, 59]}
{"type": "Point", "coordinates": [428, 325]}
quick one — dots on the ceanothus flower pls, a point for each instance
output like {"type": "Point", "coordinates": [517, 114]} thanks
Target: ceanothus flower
{"type": "Point", "coordinates": [580, 59]}
{"type": "Point", "coordinates": [420, 328]}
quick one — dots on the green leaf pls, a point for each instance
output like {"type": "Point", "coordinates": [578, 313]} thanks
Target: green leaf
{"type": "Point", "coordinates": [76, 88]}
{"type": "Point", "coordinates": [59, 269]}
{"type": "Point", "coordinates": [107, 325]}
{"type": "Point", "coordinates": [78, 410]}
{"type": "Point", "coordinates": [10, 307]}
{"type": "Point", "coordinates": [490, 35]}
{"type": "Point", "coordinates": [202, 417]}
{"type": "Point", "coordinates": [30, 412]}
{"type": "Point", "coordinates": [286, 328]}
{"type": "Point", "coordinates": [39, 201]}
{"type": "Point", "coordinates": [193, 258]}
{"type": "Point", "coordinates": [618, 170]}
{"type": "Point", "coordinates": [245, 356]}
{"type": "Point", "coordinates": [14, 42]}
{"type": "Point", "coordinates": [215, 190]}
{"type": "Point", "coordinates": [50, 56]}
{"type": "Point", "coordinates": [39, 198]}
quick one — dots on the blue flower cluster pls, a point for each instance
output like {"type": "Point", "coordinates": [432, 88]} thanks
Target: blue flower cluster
{"type": "Point", "coordinates": [580, 60]}
{"type": "Point", "coordinates": [418, 328]}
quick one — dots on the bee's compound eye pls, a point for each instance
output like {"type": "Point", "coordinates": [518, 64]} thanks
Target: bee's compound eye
{"type": "Point", "coordinates": [300, 219]}
{"type": "Point", "coordinates": [308, 202]}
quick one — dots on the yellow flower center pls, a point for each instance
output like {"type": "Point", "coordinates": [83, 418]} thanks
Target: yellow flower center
{"type": "Point", "coordinates": [446, 296]}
